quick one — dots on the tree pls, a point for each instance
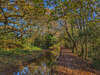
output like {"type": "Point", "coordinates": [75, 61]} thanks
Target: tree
{"type": "Point", "coordinates": [79, 17]}
{"type": "Point", "coordinates": [20, 18]}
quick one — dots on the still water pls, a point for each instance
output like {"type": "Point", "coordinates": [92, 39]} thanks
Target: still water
{"type": "Point", "coordinates": [36, 64]}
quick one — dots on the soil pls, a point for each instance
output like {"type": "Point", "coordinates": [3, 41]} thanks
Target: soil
{"type": "Point", "coordinates": [70, 64]}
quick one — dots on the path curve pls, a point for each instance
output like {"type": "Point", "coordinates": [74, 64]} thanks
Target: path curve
{"type": "Point", "coordinates": [70, 64]}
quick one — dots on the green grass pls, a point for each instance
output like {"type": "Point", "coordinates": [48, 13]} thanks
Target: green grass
{"type": "Point", "coordinates": [32, 48]}
{"type": "Point", "coordinates": [36, 48]}
{"type": "Point", "coordinates": [19, 51]}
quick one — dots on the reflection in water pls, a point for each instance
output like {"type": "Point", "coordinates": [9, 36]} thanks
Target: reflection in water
{"type": "Point", "coordinates": [41, 70]}
{"type": "Point", "coordinates": [25, 71]}
{"type": "Point", "coordinates": [28, 65]}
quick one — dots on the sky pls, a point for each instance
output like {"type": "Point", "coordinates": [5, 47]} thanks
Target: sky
{"type": "Point", "coordinates": [52, 7]}
{"type": "Point", "coordinates": [46, 6]}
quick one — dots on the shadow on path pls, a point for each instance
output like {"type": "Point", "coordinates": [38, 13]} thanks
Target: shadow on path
{"type": "Point", "coordinates": [70, 64]}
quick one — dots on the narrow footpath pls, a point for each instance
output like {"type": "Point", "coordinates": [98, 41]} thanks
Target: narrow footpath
{"type": "Point", "coordinates": [70, 64]}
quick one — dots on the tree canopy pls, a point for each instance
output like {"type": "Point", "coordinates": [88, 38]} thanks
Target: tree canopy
{"type": "Point", "coordinates": [76, 23]}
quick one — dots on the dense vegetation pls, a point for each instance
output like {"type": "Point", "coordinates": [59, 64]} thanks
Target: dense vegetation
{"type": "Point", "coordinates": [44, 24]}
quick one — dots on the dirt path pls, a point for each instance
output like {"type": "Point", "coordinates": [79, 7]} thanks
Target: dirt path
{"type": "Point", "coordinates": [70, 64]}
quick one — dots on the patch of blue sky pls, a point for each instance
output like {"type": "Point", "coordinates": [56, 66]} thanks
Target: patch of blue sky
{"type": "Point", "coordinates": [16, 7]}
{"type": "Point", "coordinates": [18, 33]}
{"type": "Point", "coordinates": [12, 19]}
{"type": "Point", "coordinates": [22, 21]}
{"type": "Point", "coordinates": [52, 3]}
{"type": "Point", "coordinates": [1, 23]}
{"type": "Point", "coordinates": [5, 9]}
{"type": "Point", "coordinates": [12, 1]}
{"type": "Point", "coordinates": [94, 15]}
{"type": "Point", "coordinates": [51, 6]}
{"type": "Point", "coordinates": [13, 25]}
{"type": "Point", "coordinates": [89, 18]}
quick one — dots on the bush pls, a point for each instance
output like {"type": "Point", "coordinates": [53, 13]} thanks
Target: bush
{"type": "Point", "coordinates": [47, 41]}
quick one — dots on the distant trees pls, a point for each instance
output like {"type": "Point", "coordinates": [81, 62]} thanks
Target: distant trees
{"type": "Point", "coordinates": [81, 22]}
{"type": "Point", "coordinates": [20, 18]}
{"type": "Point", "coordinates": [75, 22]}
{"type": "Point", "coordinates": [45, 41]}
{"type": "Point", "coordinates": [25, 21]}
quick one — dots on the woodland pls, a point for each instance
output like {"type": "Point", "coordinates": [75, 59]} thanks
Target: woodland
{"type": "Point", "coordinates": [34, 31]}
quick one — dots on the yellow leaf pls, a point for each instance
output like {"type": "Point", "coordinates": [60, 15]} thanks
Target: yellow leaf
{"type": "Point", "coordinates": [0, 15]}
